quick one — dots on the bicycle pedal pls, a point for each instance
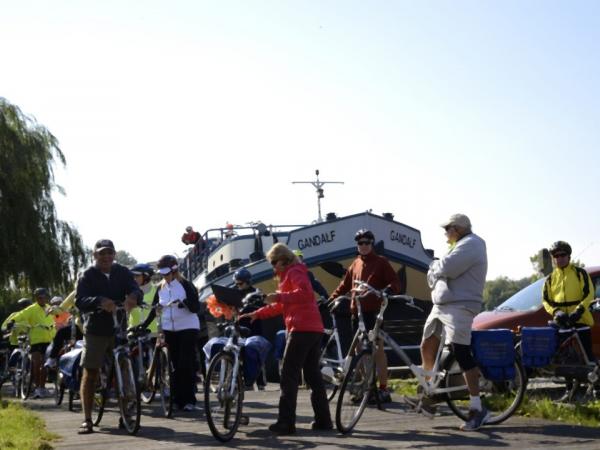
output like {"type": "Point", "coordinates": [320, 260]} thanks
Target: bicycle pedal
{"type": "Point", "coordinates": [244, 420]}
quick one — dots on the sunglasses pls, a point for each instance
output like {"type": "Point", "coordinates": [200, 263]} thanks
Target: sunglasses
{"type": "Point", "coordinates": [274, 263]}
{"type": "Point", "coordinates": [447, 228]}
{"type": "Point", "coordinates": [559, 255]}
{"type": "Point", "coordinates": [363, 243]}
{"type": "Point", "coordinates": [239, 283]}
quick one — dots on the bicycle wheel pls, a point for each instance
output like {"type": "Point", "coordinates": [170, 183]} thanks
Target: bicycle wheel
{"type": "Point", "coordinates": [354, 391]}
{"type": "Point", "coordinates": [223, 397]}
{"type": "Point", "coordinates": [501, 398]}
{"type": "Point", "coordinates": [162, 381]}
{"type": "Point", "coordinates": [26, 379]}
{"type": "Point", "coordinates": [101, 394]}
{"type": "Point", "coordinates": [128, 395]}
{"type": "Point", "coordinates": [147, 390]}
{"type": "Point", "coordinates": [59, 388]}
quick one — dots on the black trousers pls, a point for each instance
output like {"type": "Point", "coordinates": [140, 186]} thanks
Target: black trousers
{"type": "Point", "coordinates": [62, 336]}
{"type": "Point", "coordinates": [302, 352]}
{"type": "Point", "coordinates": [182, 348]}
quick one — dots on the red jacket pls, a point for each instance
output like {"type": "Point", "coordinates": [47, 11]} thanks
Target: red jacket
{"type": "Point", "coordinates": [296, 301]}
{"type": "Point", "coordinates": [376, 271]}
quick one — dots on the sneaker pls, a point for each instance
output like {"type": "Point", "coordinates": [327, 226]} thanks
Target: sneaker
{"type": "Point", "coordinates": [37, 393]}
{"type": "Point", "coordinates": [385, 395]}
{"type": "Point", "coordinates": [476, 420]}
{"type": "Point", "coordinates": [50, 363]}
{"type": "Point", "coordinates": [45, 392]}
{"type": "Point", "coordinates": [189, 407]}
{"type": "Point", "coordinates": [282, 429]}
{"type": "Point", "coordinates": [424, 405]}
{"type": "Point", "coordinates": [321, 426]}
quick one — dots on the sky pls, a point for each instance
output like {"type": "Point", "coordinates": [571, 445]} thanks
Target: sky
{"type": "Point", "coordinates": [175, 113]}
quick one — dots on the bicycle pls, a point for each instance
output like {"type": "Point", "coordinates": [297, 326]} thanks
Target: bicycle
{"type": "Point", "coordinates": [5, 372]}
{"type": "Point", "coordinates": [142, 353]}
{"type": "Point", "coordinates": [444, 381]}
{"type": "Point", "coordinates": [332, 358]}
{"type": "Point", "coordinates": [545, 354]}
{"type": "Point", "coordinates": [63, 381]}
{"type": "Point", "coordinates": [160, 368]}
{"type": "Point", "coordinates": [223, 386]}
{"type": "Point", "coordinates": [118, 372]}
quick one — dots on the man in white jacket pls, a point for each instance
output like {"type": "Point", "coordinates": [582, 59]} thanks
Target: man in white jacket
{"type": "Point", "coordinates": [457, 281]}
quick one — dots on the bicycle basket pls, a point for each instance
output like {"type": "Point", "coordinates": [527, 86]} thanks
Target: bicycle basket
{"type": "Point", "coordinates": [494, 352]}
{"type": "Point", "coordinates": [538, 345]}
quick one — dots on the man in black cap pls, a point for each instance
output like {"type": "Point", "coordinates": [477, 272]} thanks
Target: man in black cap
{"type": "Point", "coordinates": [102, 288]}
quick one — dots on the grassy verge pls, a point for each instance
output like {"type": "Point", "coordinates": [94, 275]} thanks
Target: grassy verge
{"type": "Point", "coordinates": [587, 414]}
{"type": "Point", "coordinates": [21, 429]}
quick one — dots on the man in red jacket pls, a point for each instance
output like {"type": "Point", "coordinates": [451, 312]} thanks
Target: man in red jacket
{"type": "Point", "coordinates": [378, 273]}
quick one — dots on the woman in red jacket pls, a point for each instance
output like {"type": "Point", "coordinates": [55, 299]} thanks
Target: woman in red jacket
{"type": "Point", "coordinates": [295, 299]}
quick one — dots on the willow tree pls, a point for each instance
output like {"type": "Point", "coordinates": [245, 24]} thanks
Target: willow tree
{"type": "Point", "coordinates": [35, 246]}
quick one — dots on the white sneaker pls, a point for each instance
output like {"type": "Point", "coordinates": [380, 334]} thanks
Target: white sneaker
{"type": "Point", "coordinates": [189, 407]}
{"type": "Point", "coordinates": [50, 363]}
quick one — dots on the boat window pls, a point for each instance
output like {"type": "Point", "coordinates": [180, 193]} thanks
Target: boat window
{"type": "Point", "coordinates": [527, 299]}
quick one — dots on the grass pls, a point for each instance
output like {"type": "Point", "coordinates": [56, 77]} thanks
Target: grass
{"type": "Point", "coordinates": [21, 429]}
{"type": "Point", "coordinates": [587, 414]}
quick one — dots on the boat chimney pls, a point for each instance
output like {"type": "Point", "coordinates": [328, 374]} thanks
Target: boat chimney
{"type": "Point", "coordinates": [330, 217]}
{"type": "Point", "coordinates": [388, 216]}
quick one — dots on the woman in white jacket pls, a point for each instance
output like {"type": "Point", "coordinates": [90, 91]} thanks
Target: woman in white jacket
{"type": "Point", "coordinates": [179, 320]}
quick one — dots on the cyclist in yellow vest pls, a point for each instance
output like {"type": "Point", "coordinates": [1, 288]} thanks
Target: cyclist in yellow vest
{"type": "Point", "coordinates": [41, 332]}
{"type": "Point", "coordinates": [9, 321]}
{"type": "Point", "coordinates": [567, 295]}
{"type": "Point", "coordinates": [64, 334]}
{"type": "Point", "coordinates": [142, 273]}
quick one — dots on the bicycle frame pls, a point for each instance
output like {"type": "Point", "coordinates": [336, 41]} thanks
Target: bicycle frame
{"type": "Point", "coordinates": [429, 380]}
{"type": "Point", "coordinates": [333, 335]}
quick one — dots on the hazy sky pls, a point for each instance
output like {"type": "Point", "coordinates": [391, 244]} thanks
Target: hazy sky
{"type": "Point", "coordinates": [175, 113]}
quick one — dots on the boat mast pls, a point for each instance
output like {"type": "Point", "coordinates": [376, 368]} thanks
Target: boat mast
{"type": "Point", "coordinates": [319, 187]}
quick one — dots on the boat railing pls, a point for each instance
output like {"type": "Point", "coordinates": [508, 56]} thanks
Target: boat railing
{"type": "Point", "coordinates": [196, 259]}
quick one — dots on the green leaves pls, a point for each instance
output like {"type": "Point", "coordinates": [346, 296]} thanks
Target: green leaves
{"type": "Point", "coordinates": [34, 244]}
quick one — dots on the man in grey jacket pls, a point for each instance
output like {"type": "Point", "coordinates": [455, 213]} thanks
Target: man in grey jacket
{"type": "Point", "coordinates": [457, 281]}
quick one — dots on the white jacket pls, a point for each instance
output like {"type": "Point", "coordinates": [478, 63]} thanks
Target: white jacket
{"type": "Point", "coordinates": [175, 318]}
{"type": "Point", "coordinates": [459, 277]}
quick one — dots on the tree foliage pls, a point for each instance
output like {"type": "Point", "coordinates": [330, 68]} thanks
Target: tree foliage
{"type": "Point", "coordinates": [122, 257]}
{"type": "Point", "coordinates": [35, 245]}
{"type": "Point", "coordinates": [498, 290]}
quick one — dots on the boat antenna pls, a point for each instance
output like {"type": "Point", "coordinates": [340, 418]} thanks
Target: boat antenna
{"type": "Point", "coordinates": [319, 187]}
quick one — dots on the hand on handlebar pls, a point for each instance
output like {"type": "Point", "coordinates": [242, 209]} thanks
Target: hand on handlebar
{"type": "Point", "coordinates": [576, 315]}
{"type": "Point", "coordinates": [561, 318]}
{"type": "Point", "coordinates": [271, 298]}
{"type": "Point", "coordinates": [130, 303]}
{"type": "Point", "coordinates": [251, 316]}
{"type": "Point", "coordinates": [108, 305]}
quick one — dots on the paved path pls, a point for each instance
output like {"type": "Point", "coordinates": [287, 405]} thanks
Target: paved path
{"type": "Point", "coordinates": [395, 428]}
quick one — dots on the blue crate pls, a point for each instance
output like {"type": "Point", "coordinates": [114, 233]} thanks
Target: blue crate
{"type": "Point", "coordinates": [538, 345]}
{"type": "Point", "coordinates": [494, 352]}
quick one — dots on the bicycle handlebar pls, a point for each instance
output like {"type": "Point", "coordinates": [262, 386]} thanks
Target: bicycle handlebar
{"type": "Point", "coordinates": [363, 288]}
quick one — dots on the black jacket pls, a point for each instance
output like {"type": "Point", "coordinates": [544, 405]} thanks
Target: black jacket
{"type": "Point", "coordinates": [93, 286]}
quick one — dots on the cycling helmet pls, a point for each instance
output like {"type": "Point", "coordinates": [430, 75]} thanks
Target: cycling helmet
{"type": "Point", "coordinates": [41, 292]}
{"type": "Point", "coordinates": [364, 233]}
{"type": "Point", "coordinates": [57, 300]}
{"type": "Point", "coordinates": [560, 246]}
{"type": "Point", "coordinates": [24, 302]}
{"type": "Point", "coordinates": [166, 264]}
{"type": "Point", "coordinates": [298, 253]}
{"type": "Point", "coordinates": [142, 269]}
{"type": "Point", "coordinates": [243, 275]}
